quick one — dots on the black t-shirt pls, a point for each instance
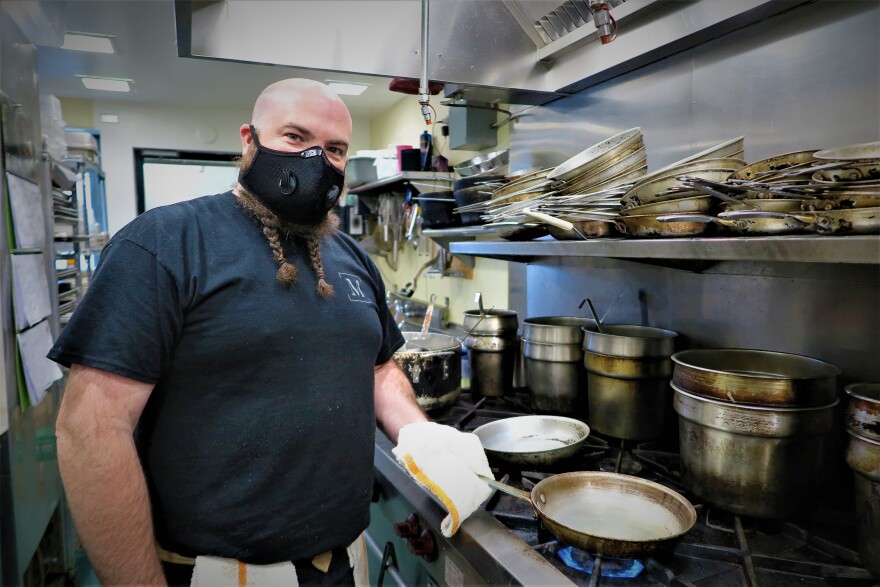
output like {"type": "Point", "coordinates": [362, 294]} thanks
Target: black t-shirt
{"type": "Point", "coordinates": [257, 441]}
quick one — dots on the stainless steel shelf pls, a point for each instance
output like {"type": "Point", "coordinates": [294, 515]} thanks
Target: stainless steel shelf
{"type": "Point", "coordinates": [444, 236]}
{"type": "Point", "coordinates": [856, 249]}
{"type": "Point", "coordinates": [403, 178]}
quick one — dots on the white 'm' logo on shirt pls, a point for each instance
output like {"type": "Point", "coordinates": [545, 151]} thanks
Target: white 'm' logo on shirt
{"type": "Point", "coordinates": [355, 291]}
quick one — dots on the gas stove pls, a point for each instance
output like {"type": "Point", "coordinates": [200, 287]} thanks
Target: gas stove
{"type": "Point", "coordinates": [504, 544]}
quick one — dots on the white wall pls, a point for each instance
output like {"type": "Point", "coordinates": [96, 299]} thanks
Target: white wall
{"type": "Point", "coordinates": [168, 127]}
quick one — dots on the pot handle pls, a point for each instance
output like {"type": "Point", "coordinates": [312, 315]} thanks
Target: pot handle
{"type": "Point", "coordinates": [503, 487]}
{"type": "Point", "coordinates": [553, 221]}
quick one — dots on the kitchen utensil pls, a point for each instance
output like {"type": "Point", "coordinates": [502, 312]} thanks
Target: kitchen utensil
{"type": "Point", "coordinates": [428, 313]}
{"type": "Point", "coordinates": [757, 461]}
{"type": "Point", "coordinates": [756, 377]}
{"type": "Point", "coordinates": [849, 172]}
{"type": "Point", "coordinates": [532, 440]}
{"type": "Point", "coordinates": [518, 231]}
{"type": "Point", "coordinates": [555, 377]}
{"type": "Point", "coordinates": [432, 363]}
{"type": "Point", "coordinates": [658, 189]}
{"type": "Point", "coordinates": [629, 340]}
{"type": "Point", "coordinates": [468, 196]}
{"type": "Point", "coordinates": [437, 210]}
{"type": "Point", "coordinates": [649, 225]}
{"type": "Point", "coordinates": [748, 226]}
{"type": "Point", "coordinates": [591, 156]}
{"type": "Point", "coordinates": [478, 298]}
{"type": "Point", "coordinates": [629, 409]}
{"type": "Point", "coordinates": [627, 177]}
{"type": "Point", "coordinates": [483, 163]}
{"type": "Point", "coordinates": [851, 152]}
{"type": "Point", "coordinates": [685, 168]}
{"type": "Point", "coordinates": [597, 322]}
{"type": "Point", "coordinates": [730, 148]}
{"type": "Point", "coordinates": [555, 329]}
{"type": "Point", "coordinates": [582, 227]}
{"type": "Point", "coordinates": [626, 367]}
{"type": "Point", "coordinates": [863, 410]}
{"type": "Point", "coordinates": [492, 347]}
{"type": "Point", "coordinates": [609, 514]}
{"type": "Point", "coordinates": [550, 220]}
{"type": "Point", "coordinates": [847, 221]}
{"type": "Point", "coordinates": [863, 456]}
{"type": "Point", "coordinates": [624, 163]}
{"type": "Point", "coordinates": [773, 166]}
{"type": "Point", "coordinates": [694, 204]}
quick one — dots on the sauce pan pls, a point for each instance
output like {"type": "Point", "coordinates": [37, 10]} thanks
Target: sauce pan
{"type": "Point", "coordinates": [532, 440]}
{"type": "Point", "coordinates": [609, 514]}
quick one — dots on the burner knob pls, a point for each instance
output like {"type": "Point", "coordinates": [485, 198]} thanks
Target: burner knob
{"type": "Point", "coordinates": [423, 546]}
{"type": "Point", "coordinates": [409, 528]}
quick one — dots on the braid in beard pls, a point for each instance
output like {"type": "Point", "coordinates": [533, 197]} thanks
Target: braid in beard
{"type": "Point", "coordinates": [324, 289]}
{"type": "Point", "coordinates": [287, 272]}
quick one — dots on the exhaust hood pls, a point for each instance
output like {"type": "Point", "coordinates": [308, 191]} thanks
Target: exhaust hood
{"type": "Point", "coordinates": [510, 51]}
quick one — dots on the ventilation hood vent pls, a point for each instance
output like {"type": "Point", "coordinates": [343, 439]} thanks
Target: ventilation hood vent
{"type": "Point", "coordinates": [511, 51]}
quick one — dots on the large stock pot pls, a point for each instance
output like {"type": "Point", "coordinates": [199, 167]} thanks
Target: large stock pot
{"type": "Point", "coordinates": [751, 460]}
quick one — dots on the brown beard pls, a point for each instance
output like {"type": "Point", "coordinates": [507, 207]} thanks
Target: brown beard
{"type": "Point", "coordinates": [328, 226]}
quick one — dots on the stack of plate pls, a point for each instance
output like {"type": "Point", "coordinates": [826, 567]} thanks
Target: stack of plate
{"type": "Point", "coordinates": [616, 160]}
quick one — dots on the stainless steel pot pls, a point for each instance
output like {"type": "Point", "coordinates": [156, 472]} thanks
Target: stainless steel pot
{"type": "Point", "coordinates": [628, 340]}
{"type": "Point", "coordinates": [627, 368]}
{"type": "Point", "coordinates": [432, 363]}
{"type": "Point", "coordinates": [746, 376]}
{"type": "Point", "coordinates": [751, 460]}
{"type": "Point", "coordinates": [555, 329]}
{"type": "Point", "coordinates": [630, 409]}
{"type": "Point", "coordinates": [863, 410]}
{"type": "Point", "coordinates": [532, 440]}
{"type": "Point", "coordinates": [863, 456]}
{"type": "Point", "coordinates": [490, 322]}
{"type": "Point", "coordinates": [555, 376]}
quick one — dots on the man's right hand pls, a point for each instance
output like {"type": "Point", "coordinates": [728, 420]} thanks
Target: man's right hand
{"type": "Point", "coordinates": [102, 475]}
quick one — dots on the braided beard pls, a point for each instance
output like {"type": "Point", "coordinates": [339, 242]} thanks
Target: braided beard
{"type": "Point", "coordinates": [274, 227]}
{"type": "Point", "coordinates": [329, 226]}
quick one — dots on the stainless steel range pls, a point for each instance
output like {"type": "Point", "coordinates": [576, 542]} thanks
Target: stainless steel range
{"type": "Point", "coordinates": [503, 544]}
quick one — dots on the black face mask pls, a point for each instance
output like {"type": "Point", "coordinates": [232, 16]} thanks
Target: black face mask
{"type": "Point", "coordinates": [299, 187]}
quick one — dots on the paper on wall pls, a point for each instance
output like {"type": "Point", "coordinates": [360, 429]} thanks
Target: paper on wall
{"type": "Point", "coordinates": [30, 291]}
{"type": "Point", "coordinates": [27, 213]}
{"type": "Point", "coordinates": [39, 371]}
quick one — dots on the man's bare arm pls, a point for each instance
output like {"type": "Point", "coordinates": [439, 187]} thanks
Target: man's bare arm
{"type": "Point", "coordinates": [396, 404]}
{"type": "Point", "coordinates": [102, 475]}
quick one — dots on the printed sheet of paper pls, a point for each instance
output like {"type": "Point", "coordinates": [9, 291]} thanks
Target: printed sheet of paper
{"type": "Point", "coordinates": [39, 371]}
{"type": "Point", "coordinates": [30, 293]}
{"type": "Point", "coordinates": [27, 213]}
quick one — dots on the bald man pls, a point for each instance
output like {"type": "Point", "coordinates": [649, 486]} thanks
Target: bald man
{"type": "Point", "coordinates": [229, 365]}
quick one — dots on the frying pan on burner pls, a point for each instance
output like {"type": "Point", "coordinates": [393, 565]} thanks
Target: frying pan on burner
{"type": "Point", "coordinates": [610, 514]}
{"type": "Point", "coordinates": [532, 440]}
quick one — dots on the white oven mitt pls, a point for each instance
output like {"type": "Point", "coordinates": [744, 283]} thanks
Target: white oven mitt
{"type": "Point", "coordinates": [211, 571]}
{"type": "Point", "coordinates": [446, 462]}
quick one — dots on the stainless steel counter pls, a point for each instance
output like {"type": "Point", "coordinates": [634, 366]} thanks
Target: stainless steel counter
{"type": "Point", "coordinates": [856, 249]}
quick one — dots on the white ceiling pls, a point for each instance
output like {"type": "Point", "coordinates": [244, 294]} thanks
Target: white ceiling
{"type": "Point", "coordinates": [146, 52]}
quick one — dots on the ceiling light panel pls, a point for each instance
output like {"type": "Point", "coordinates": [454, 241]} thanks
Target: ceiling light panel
{"type": "Point", "coordinates": [88, 42]}
{"type": "Point", "coordinates": [106, 84]}
{"type": "Point", "coordinates": [347, 88]}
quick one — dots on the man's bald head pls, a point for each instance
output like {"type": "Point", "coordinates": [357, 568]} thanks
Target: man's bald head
{"type": "Point", "coordinates": [295, 114]}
